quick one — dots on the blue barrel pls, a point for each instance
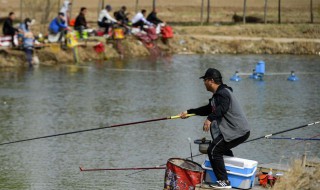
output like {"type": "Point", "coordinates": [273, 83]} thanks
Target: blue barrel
{"type": "Point", "coordinates": [260, 67]}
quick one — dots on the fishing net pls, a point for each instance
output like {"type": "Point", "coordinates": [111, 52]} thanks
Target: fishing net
{"type": "Point", "coordinates": [182, 174]}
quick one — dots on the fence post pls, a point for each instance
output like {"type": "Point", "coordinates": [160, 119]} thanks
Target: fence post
{"type": "Point", "coordinates": [311, 12]}
{"type": "Point", "coordinates": [137, 4]}
{"type": "Point", "coordinates": [265, 10]}
{"type": "Point", "coordinates": [20, 10]}
{"type": "Point", "coordinates": [279, 11]}
{"type": "Point", "coordinates": [201, 15]}
{"type": "Point", "coordinates": [154, 5]}
{"type": "Point", "coordinates": [208, 12]}
{"type": "Point", "coordinates": [70, 11]}
{"type": "Point", "coordinates": [244, 11]}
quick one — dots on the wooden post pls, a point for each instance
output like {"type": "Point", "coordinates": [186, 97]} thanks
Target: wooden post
{"type": "Point", "coordinates": [265, 11]}
{"type": "Point", "coordinates": [311, 12]}
{"type": "Point", "coordinates": [103, 4]}
{"type": "Point", "coordinates": [59, 3]}
{"type": "Point", "coordinates": [20, 10]}
{"type": "Point", "coordinates": [99, 7]}
{"type": "Point", "coordinates": [304, 160]}
{"type": "Point", "coordinates": [70, 11]}
{"type": "Point", "coordinates": [137, 5]}
{"type": "Point", "coordinates": [201, 15]}
{"type": "Point", "coordinates": [208, 11]}
{"type": "Point", "coordinates": [279, 11]}
{"type": "Point", "coordinates": [244, 11]}
{"type": "Point", "coordinates": [154, 5]}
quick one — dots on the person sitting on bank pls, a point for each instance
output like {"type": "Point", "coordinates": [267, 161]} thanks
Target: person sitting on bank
{"type": "Point", "coordinates": [122, 16]}
{"type": "Point", "coordinates": [81, 22]}
{"type": "Point", "coordinates": [152, 17]}
{"type": "Point", "coordinates": [139, 20]}
{"type": "Point", "coordinates": [8, 29]}
{"type": "Point", "coordinates": [105, 20]}
{"type": "Point", "coordinates": [57, 26]}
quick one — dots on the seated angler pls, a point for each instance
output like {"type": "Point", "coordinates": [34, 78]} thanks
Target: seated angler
{"type": "Point", "coordinates": [122, 16]}
{"type": "Point", "coordinates": [139, 20]}
{"type": "Point", "coordinates": [81, 22]}
{"type": "Point", "coordinates": [8, 28]}
{"type": "Point", "coordinates": [105, 20]}
{"type": "Point", "coordinates": [152, 17]}
{"type": "Point", "coordinates": [57, 26]}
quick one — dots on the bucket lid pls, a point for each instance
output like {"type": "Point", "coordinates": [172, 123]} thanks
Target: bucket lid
{"type": "Point", "coordinates": [202, 141]}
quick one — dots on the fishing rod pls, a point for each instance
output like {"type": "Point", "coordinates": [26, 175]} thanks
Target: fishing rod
{"type": "Point", "coordinates": [258, 138]}
{"type": "Point", "coordinates": [294, 138]}
{"type": "Point", "coordinates": [287, 130]}
{"type": "Point", "coordinates": [86, 130]}
{"type": "Point", "coordinates": [117, 169]}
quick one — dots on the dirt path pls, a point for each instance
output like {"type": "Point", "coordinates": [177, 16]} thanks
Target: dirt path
{"type": "Point", "coordinates": [231, 38]}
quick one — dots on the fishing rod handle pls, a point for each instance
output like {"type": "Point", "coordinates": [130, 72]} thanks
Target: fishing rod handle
{"type": "Point", "coordinates": [177, 116]}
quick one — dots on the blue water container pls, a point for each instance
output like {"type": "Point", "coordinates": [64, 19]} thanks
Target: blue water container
{"type": "Point", "coordinates": [254, 75]}
{"type": "Point", "coordinates": [235, 77]}
{"type": "Point", "coordinates": [292, 77]}
{"type": "Point", "coordinates": [260, 67]}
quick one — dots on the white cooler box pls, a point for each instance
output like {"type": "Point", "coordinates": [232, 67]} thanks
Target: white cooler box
{"type": "Point", "coordinates": [241, 172]}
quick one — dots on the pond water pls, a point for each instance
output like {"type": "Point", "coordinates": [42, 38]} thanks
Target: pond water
{"type": "Point", "coordinates": [51, 100]}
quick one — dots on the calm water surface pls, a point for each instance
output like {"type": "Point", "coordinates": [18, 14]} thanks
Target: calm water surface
{"type": "Point", "coordinates": [51, 100]}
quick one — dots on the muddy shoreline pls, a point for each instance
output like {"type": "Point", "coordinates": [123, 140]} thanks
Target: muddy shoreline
{"type": "Point", "coordinates": [180, 44]}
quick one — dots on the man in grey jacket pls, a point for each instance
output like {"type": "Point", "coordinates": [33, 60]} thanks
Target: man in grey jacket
{"type": "Point", "coordinates": [225, 120]}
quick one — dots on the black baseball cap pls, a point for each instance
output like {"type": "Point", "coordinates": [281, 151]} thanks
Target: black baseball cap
{"type": "Point", "coordinates": [212, 73]}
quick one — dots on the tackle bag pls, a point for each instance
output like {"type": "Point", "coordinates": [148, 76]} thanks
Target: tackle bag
{"type": "Point", "coordinates": [182, 174]}
{"type": "Point", "coordinates": [167, 32]}
{"type": "Point", "coordinates": [99, 48]}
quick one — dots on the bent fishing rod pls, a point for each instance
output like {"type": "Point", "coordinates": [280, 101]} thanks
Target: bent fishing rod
{"type": "Point", "coordinates": [94, 129]}
{"type": "Point", "coordinates": [258, 138]}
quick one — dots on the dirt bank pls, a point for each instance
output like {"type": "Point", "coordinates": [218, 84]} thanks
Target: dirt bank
{"type": "Point", "coordinates": [236, 39]}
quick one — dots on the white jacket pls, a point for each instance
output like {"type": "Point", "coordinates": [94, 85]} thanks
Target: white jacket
{"type": "Point", "coordinates": [139, 16]}
{"type": "Point", "coordinates": [104, 14]}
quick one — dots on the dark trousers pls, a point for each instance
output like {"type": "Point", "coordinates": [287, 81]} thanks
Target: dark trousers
{"type": "Point", "coordinates": [106, 26]}
{"type": "Point", "coordinates": [220, 147]}
{"type": "Point", "coordinates": [139, 24]}
{"type": "Point", "coordinates": [63, 32]}
{"type": "Point", "coordinates": [29, 53]}
{"type": "Point", "coordinates": [12, 38]}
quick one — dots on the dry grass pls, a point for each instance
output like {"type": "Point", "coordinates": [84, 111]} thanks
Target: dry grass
{"type": "Point", "coordinates": [258, 30]}
{"type": "Point", "coordinates": [186, 10]}
{"type": "Point", "coordinates": [299, 177]}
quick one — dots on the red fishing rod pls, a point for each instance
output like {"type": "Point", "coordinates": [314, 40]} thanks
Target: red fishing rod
{"type": "Point", "coordinates": [117, 169]}
{"type": "Point", "coordinates": [86, 130]}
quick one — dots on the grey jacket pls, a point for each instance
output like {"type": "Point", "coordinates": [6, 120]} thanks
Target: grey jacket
{"type": "Point", "coordinates": [225, 109]}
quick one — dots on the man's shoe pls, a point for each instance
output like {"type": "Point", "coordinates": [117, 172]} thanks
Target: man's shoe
{"type": "Point", "coordinates": [223, 184]}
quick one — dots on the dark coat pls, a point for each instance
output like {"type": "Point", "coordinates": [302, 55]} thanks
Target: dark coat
{"type": "Point", "coordinates": [8, 28]}
{"type": "Point", "coordinates": [152, 17]}
{"type": "Point", "coordinates": [80, 21]}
